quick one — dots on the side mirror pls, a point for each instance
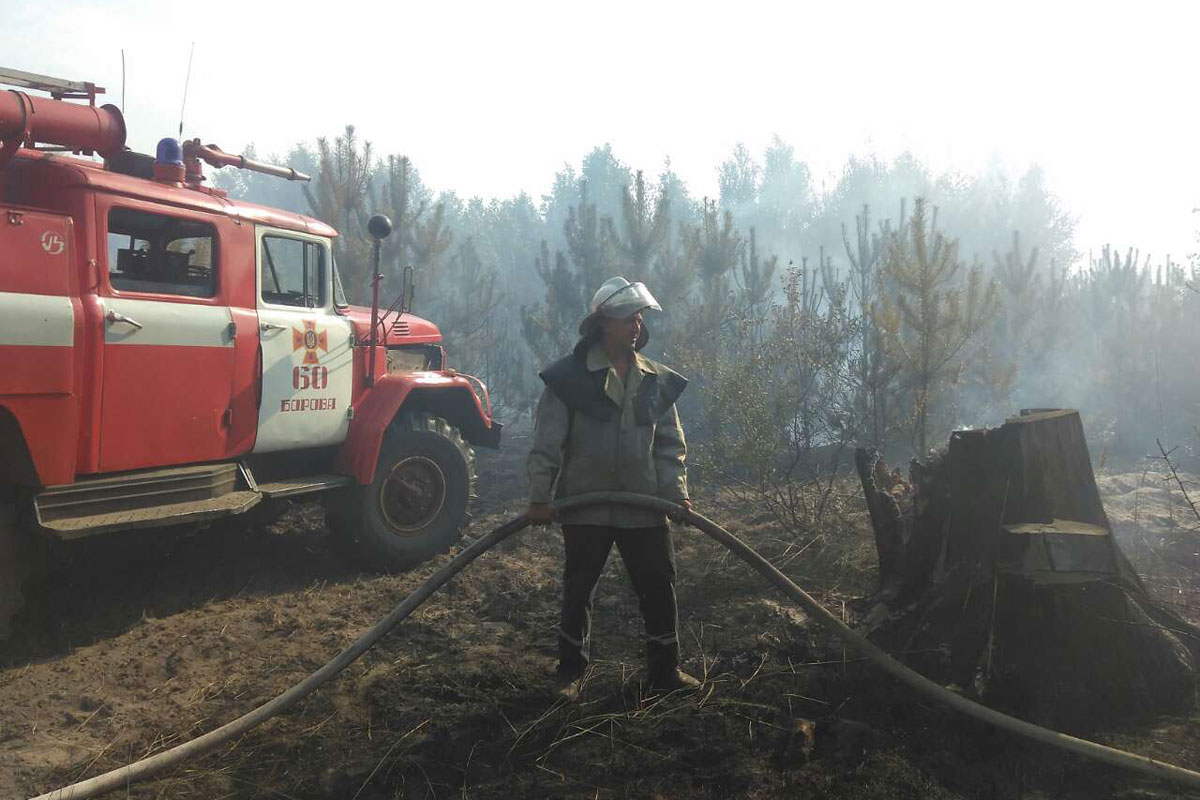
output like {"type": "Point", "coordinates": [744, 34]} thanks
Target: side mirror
{"type": "Point", "coordinates": [409, 288]}
{"type": "Point", "coordinates": [379, 226]}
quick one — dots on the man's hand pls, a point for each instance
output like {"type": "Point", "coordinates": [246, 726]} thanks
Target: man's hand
{"type": "Point", "coordinates": [541, 514]}
{"type": "Point", "coordinates": [675, 515]}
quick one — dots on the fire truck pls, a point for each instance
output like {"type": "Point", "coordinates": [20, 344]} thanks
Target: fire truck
{"type": "Point", "coordinates": [170, 355]}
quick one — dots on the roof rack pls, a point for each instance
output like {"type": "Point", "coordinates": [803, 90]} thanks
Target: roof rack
{"type": "Point", "coordinates": [58, 88]}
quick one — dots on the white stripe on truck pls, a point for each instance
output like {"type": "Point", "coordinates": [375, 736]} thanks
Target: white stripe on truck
{"type": "Point", "coordinates": [167, 324]}
{"type": "Point", "coordinates": [36, 320]}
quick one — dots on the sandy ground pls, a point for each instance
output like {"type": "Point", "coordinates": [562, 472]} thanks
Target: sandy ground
{"type": "Point", "coordinates": [138, 644]}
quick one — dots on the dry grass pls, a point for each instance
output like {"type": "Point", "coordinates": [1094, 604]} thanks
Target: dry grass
{"type": "Point", "coordinates": [459, 701]}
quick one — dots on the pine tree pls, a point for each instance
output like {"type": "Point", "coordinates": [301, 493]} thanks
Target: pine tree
{"type": "Point", "coordinates": [675, 270]}
{"type": "Point", "coordinates": [429, 239]}
{"type": "Point", "coordinates": [1113, 300]}
{"type": "Point", "coordinates": [937, 316]}
{"type": "Point", "coordinates": [1017, 274]}
{"type": "Point", "coordinates": [737, 179]}
{"type": "Point", "coordinates": [672, 187]}
{"type": "Point", "coordinates": [815, 332]}
{"type": "Point", "coordinates": [514, 229]}
{"type": "Point", "coordinates": [466, 311]}
{"type": "Point", "coordinates": [674, 280]}
{"type": "Point", "coordinates": [338, 196]}
{"type": "Point", "coordinates": [755, 278]}
{"type": "Point", "coordinates": [418, 238]}
{"type": "Point", "coordinates": [874, 372]}
{"type": "Point", "coordinates": [714, 246]}
{"type": "Point", "coordinates": [1018, 326]}
{"type": "Point", "coordinates": [549, 327]}
{"type": "Point", "coordinates": [606, 178]}
{"type": "Point", "coordinates": [397, 202]}
{"type": "Point", "coordinates": [786, 203]}
{"type": "Point", "coordinates": [1040, 214]}
{"type": "Point", "coordinates": [645, 224]}
{"type": "Point", "coordinates": [590, 241]}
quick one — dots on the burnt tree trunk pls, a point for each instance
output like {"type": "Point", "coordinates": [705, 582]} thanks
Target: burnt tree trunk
{"type": "Point", "coordinates": [999, 573]}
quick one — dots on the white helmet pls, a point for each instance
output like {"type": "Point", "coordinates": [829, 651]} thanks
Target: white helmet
{"type": "Point", "coordinates": [617, 298]}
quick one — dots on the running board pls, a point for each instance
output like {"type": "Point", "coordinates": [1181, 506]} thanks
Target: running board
{"type": "Point", "coordinates": [226, 505]}
{"type": "Point", "coordinates": [133, 491]}
{"type": "Point", "coordinates": [299, 486]}
{"type": "Point", "coordinates": [161, 497]}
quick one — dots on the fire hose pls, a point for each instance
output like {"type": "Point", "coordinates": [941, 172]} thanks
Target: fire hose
{"type": "Point", "coordinates": [157, 763]}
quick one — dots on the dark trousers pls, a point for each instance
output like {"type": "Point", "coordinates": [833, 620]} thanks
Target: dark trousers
{"type": "Point", "coordinates": [649, 557]}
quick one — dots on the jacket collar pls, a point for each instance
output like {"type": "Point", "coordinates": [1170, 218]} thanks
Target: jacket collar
{"type": "Point", "coordinates": [597, 360]}
{"type": "Point", "coordinates": [614, 388]}
{"type": "Point", "coordinates": [586, 391]}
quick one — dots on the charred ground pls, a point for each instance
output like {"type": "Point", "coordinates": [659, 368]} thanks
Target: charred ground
{"type": "Point", "coordinates": [127, 650]}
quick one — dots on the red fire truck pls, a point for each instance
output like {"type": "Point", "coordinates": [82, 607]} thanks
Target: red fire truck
{"type": "Point", "coordinates": [170, 355]}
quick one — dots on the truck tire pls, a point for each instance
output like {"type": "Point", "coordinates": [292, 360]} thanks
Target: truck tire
{"type": "Point", "coordinates": [418, 503]}
{"type": "Point", "coordinates": [16, 552]}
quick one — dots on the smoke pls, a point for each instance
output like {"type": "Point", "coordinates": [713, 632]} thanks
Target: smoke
{"type": "Point", "coordinates": [1109, 333]}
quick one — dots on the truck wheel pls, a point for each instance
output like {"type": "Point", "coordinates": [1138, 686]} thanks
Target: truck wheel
{"type": "Point", "coordinates": [417, 505]}
{"type": "Point", "coordinates": [16, 552]}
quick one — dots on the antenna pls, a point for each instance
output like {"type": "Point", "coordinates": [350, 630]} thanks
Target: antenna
{"type": "Point", "coordinates": [122, 80]}
{"type": "Point", "coordinates": [186, 81]}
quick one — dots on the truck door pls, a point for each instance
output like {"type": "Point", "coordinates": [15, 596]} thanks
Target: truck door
{"type": "Point", "coordinates": [168, 339]}
{"type": "Point", "coordinates": [307, 360]}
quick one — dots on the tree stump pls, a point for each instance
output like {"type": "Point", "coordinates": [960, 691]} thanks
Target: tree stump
{"type": "Point", "coordinates": [998, 572]}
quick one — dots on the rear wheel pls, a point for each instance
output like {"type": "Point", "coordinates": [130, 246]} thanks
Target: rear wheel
{"type": "Point", "coordinates": [418, 503]}
{"type": "Point", "coordinates": [16, 562]}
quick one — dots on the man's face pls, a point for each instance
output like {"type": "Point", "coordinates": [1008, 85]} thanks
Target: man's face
{"type": "Point", "coordinates": [622, 334]}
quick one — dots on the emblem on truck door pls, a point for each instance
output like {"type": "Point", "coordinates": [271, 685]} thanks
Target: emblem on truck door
{"type": "Point", "coordinates": [310, 340]}
{"type": "Point", "coordinates": [53, 243]}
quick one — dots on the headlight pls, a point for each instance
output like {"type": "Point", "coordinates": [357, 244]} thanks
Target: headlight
{"type": "Point", "coordinates": [407, 360]}
{"type": "Point", "coordinates": [415, 358]}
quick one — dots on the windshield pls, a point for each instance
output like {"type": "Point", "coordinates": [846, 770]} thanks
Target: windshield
{"type": "Point", "coordinates": [339, 294]}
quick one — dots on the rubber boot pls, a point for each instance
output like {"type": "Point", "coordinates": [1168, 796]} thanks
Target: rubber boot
{"type": "Point", "coordinates": [662, 684]}
{"type": "Point", "coordinates": [568, 683]}
{"type": "Point", "coordinates": [662, 669]}
{"type": "Point", "coordinates": [569, 689]}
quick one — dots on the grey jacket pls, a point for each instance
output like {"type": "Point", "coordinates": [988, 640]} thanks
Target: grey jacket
{"type": "Point", "coordinates": [575, 452]}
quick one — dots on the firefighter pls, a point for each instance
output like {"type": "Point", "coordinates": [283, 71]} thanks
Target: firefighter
{"type": "Point", "coordinates": [607, 421]}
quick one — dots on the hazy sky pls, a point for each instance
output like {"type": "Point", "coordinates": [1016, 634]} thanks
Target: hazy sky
{"type": "Point", "coordinates": [493, 98]}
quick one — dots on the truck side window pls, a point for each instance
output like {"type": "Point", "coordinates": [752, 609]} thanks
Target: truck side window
{"type": "Point", "coordinates": [158, 254]}
{"type": "Point", "coordinates": [293, 272]}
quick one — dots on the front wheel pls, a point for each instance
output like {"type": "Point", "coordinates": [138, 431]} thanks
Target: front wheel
{"type": "Point", "coordinates": [418, 503]}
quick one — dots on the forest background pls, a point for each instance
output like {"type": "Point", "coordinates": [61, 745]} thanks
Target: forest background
{"type": "Point", "coordinates": [884, 310]}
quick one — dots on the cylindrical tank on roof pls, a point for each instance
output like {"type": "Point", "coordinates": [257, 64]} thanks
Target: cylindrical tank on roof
{"type": "Point", "coordinates": [55, 122]}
